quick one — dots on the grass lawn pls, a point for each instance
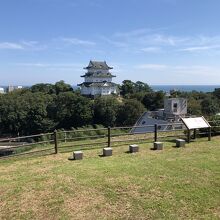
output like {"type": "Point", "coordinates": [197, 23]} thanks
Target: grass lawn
{"type": "Point", "coordinates": [181, 183]}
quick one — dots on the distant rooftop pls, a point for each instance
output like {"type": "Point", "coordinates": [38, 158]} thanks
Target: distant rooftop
{"type": "Point", "coordinates": [98, 65]}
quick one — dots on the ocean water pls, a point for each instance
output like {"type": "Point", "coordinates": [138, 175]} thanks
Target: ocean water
{"type": "Point", "coordinates": [185, 88]}
{"type": "Point", "coordinates": [167, 88]}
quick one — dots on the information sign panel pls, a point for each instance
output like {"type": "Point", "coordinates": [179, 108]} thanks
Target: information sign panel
{"type": "Point", "coordinates": [195, 123]}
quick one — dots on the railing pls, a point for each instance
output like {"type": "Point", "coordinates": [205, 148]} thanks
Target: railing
{"type": "Point", "coordinates": [27, 145]}
{"type": "Point", "coordinates": [64, 141]}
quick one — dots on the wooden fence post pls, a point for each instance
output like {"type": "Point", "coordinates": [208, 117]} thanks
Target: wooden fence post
{"type": "Point", "coordinates": [188, 135]}
{"type": "Point", "coordinates": [155, 132]}
{"type": "Point", "coordinates": [109, 136]}
{"type": "Point", "coordinates": [55, 142]}
{"type": "Point", "coordinates": [210, 134]}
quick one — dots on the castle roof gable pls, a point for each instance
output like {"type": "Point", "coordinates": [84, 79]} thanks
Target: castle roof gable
{"type": "Point", "coordinates": [98, 65]}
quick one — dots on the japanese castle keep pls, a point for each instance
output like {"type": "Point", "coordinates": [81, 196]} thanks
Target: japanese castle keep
{"type": "Point", "coordinates": [98, 80]}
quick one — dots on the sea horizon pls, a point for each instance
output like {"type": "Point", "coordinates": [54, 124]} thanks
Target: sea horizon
{"type": "Point", "coordinates": [163, 87]}
{"type": "Point", "coordinates": [185, 88]}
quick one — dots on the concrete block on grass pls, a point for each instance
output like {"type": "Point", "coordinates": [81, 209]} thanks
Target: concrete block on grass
{"type": "Point", "coordinates": [107, 151]}
{"type": "Point", "coordinates": [133, 148]}
{"type": "Point", "coordinates": [180, 143]}
{"type": "Point", "coordinates": [158, 145]}
{"type": "Point", "coordinates": [77, 155]}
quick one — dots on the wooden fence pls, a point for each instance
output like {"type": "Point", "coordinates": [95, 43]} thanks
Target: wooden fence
{"type": "Point", "coordinates": [65, 141]}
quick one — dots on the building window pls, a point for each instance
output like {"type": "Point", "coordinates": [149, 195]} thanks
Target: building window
{"type": "Point", "coordinates": [175, 107]}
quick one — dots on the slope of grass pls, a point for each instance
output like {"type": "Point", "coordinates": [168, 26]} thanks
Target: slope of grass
{"type": "Point", "coordinates": [174, 183]}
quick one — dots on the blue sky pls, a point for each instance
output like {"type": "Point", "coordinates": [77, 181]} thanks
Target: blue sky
{"type": "Point", "coordinates": [155, 41]}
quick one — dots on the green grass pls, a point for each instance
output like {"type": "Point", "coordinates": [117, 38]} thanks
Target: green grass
{"type": "Point", "coordinates": [174, 183]}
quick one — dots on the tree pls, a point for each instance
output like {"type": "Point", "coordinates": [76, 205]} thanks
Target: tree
{"type": "Point", "coordinates": [25, 113]}
{"type": "Point", "coordinates": [154, 100]}
{"type": "Point", "coordinates": [61, 86]}
{"type": "Point", "coordinates": [129, 112]}
{"type": "Point", "coordinates": [194, 106]}
{"type": "Point", "coordinates": [127, 87]}
{"type": "Point", "coordinates": [106, 110]}
{"type": "Point", "coordinates": [209, 106]}
{"type": "Point", "coordinates": [216, 93]}
{"type": "Point", "coordinates": [72, 110]}
{"type": "Point", "coordinates": [142, 87]}
{"type": "Point", "coordinates": [44, 88]}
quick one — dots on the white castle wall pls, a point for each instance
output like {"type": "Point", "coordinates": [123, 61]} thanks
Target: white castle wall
{"type": "Point", "coordinates": [95, 79]}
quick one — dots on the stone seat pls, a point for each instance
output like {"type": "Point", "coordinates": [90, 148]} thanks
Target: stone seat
{"type": "Point", "coordinates": [77, 155]}
{"type": "Point", "coordinates": [180, 143]}
{"type": "Point", "coordinates": [158, 145]}
{"type": "Point", "coordinates": [133, 148]}
{"type": "Point", "coordinates": [107, 151]}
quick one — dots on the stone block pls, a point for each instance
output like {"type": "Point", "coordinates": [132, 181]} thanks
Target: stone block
{"type": "Point", "coordinates": [158, 145]}
{"type": "Point", "coordinates": [180, 143]}
{"type": "Point", "coordinates": [78, 155]}
{"type": "Point", "coordinates": [133, 148]}
{"type": "Point", "coordinates": [107, 151]}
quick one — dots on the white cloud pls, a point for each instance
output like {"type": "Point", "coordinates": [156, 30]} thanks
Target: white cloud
{"type": "Point", "coordinates": [132, 33]}
{"type": "Point", "coordinates": [11, 46]}
{"type": "Point", "coordinates": [162, 40]}
{"type": "Point", "coordinates": [200, 48]}
{"type": "Point", "coordinates": [199, 71]}
{"type": "Point", "coordinates": [149, 40]}
{"type": "Point", "coordinates": [151, 67]}
{"type": "Point", "coordinates": [76, 41]}
{"type": "Point", "coordinates": [186, 71]}
{"type": "Point", "coordinates": [22, 45]}
{"type": "Point", "coordinates": [73, 66]}
{"type": "Point", "coordinates": [113, 42]}
{"type": "Point", "coordinates": [151, 49]}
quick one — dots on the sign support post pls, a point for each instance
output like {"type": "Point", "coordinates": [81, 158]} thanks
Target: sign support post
{"type": "Point", "coordinates": [188, 136]}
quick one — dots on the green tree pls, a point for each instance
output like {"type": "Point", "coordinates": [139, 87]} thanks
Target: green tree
{"type": "Point", "coordinates": [106, 110]}
{"type": "Point", "coordinates": [61, 86]}
{"type": "Point", "coordinates": [72, 110]}
{"type": "Point", "coordinates": [127, 87]}
{"type": "Point", "coordinates": [216, 93]}
{"type": "Point", "coordinates": [194, 106]}
{"type": "Point", "coordinates": [25, 113]}
{"type": "Point", "coordinates": [129, 112]}
{"type": "Point", "coordinates": [210, 106]}
{"type": "Point", "coordinates": [154, 100]}
{"type": "Point", "coordinates": [44, 88]}
{"type": "Point", "coordinates": [142, 87]}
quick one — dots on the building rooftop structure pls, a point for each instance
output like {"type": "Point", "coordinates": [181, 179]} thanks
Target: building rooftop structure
{"type": "Point", "coordinates": [98, 65]}
{"type": "Point", "coordinates": [167, 118]}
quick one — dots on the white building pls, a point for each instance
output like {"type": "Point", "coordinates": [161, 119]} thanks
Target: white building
{"type": "Point", "coordinates": [98, 80]}
{"type": "Point", "coordinates": [167, 119]}
{"type": "Point", "coordinates": [2, 91]}
{"type": "Point", "coordinates": [13, 88]}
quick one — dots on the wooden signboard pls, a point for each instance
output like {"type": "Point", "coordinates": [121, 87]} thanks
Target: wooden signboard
{"type": "Point", "coordinates": [196, 123]}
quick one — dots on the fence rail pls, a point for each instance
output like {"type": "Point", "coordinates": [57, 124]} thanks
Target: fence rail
{"type": "Point", "coordinates": [89, 138]}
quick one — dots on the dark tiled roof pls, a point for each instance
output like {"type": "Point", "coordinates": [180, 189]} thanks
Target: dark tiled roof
{"type": "Point", "coordinates": [99, 75]}
{"type": "Point", "coordinates": [97, 84]}
{"type": "Point", "coordinates": [98, 65]}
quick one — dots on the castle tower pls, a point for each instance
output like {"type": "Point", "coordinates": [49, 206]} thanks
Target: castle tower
{"type": "Point", "coordinates": [98, 80]}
